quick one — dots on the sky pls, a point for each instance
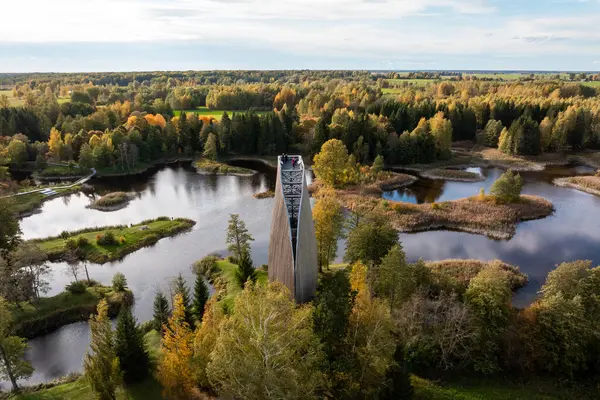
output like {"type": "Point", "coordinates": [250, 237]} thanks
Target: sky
{"type": "Point", "coordinates": [149, 35]}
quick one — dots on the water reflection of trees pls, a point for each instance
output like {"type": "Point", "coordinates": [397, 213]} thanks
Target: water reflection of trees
{"type": "Point", "coordinates": [427, 191]}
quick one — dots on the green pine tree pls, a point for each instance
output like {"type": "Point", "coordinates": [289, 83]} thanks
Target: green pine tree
{"type": "Point", "coordinates": [161, 311]}
{"type": "Point", "coordinates": [398, 385]}
{"type": "Point", "coordinates": [179, 287]}
{"type": "Point", "coordinates": [245, 270]}
{"type": "Point", "coordinates": [200, 297]}
{"type": "Point", "coordinates": [130, 348]}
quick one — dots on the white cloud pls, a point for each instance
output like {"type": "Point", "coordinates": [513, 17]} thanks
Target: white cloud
{"type": "Point", "coordinates": [369, 29]}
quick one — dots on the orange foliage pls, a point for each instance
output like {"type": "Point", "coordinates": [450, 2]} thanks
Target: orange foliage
{"type": "Point", "coordinates": [156, 120]}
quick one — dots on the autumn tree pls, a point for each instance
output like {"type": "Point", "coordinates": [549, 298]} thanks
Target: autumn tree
{"type": "Point", "coordinates": [441, 129]}
{"type": "Point", "coordinates": [266, 349]}
{"type": "Point", "coordinates": [101, 364]}
{"type": "Point", "coordinates": [10, 232]}
{"type": "Point", "coordinates": [238, 238]}
{"type": "Point", "coordinates": [328, 219]}
{"type": "Point", "coordinates": [130, 348]}
{"type": "Point", "coordinates": [205, 339]}
{"type": "Point", "coordinates": [12, 350]}
{"type": "Point", "coordinates": [175, 371]}
{"type": "Point", "coordinates": [507, 188]}
{"type": "Point", "coordinates": [200, 297]}
{"type": "Point", "coordinates": [330, 163]}
{"type": "Point", "coordinates": [180, 288]}
{"type": "Point", "coordinates": [370, 336]}
{"type": "Point", "coordinates": [161, 312]}
{"type": "Point", "coordinates": [55, 144]}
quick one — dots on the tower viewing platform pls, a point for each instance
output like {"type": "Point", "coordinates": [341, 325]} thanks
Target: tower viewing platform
{"type": "Point", "coordinates": [292, 244]}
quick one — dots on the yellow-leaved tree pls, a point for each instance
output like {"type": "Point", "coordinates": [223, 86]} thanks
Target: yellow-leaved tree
{"type": "Point", "coordinates": [328, 217]}
{"type": "Point", "coordinates": [267, 349]}
{"type": "Point", "coordinates": [175, 371]}
{"type": "Point", "coordinates": [370, 335]}
{"type": "Point", "coordinates": [55, 144]}
{"type": "Point", "coordinates": [206, 337]}
{"type": "Point", "coordinates": [330, 164]}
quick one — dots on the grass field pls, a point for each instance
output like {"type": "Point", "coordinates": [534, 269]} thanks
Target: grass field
{"type": "Point", "coordinates": [216, 114]}
{"type": "Point", "coordinates": [16, 102]}
{"type": "Point", "coordinates": [414, 82]}
{"type": "Point", "coordinates": [233, 288]}
{"type": "Point", "coordinates": [133, 238]}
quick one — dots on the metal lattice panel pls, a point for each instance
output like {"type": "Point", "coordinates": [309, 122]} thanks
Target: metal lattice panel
{"type": "Point", "coordinates": [292, 178]}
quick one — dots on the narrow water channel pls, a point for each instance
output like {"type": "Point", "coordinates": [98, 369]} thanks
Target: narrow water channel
{"type": "Point", "coordinates": [573, 232]}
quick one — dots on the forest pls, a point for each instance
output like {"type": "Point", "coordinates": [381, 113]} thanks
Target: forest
{"type": "Point", "coordinates": [122, 121]}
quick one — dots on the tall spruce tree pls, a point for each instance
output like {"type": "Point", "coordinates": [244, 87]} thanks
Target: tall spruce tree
{"type": "Point", "coordinates": [398, 386]}
{"type": "Point", "coordinates": [200, 297]}
{"type": "Point", "coordinates": [130, 348]}
{"type": "Point", "coordinates": [101, 364]}
{"type": "Point", "coordinates": [161, 311]}
{"type": "Point", "coordinates": [179, 287]}
{"type": "Point", "coordinates": [245, 271]}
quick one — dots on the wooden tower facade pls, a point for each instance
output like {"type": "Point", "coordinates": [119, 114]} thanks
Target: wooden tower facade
{"type": "Point", "coordinates": [292, 245]}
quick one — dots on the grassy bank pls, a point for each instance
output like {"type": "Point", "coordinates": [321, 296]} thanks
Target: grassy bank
{"type": "Point", "coordinates": [61, 172]}
{"type": "Point", "coordinates": [26, 204]}
{"type": "Point", "coordinates": [452, 175]}
{"type": "Point", "coordinates": [588, 184]}
{"type": "Point", "coordinates": [473, 214]}
{"type": "Point", "coordinates": [112, 201]}
{"type": "Point", "coordinates": [65, 308]}
{"type": "Point", "coordinates": [222, 277]}
{"type": "Point", "coordinates": [206, 166]}
{"type": "Point", "coordinates": [493, 390]}
{"type": "Point", "coordinates": [95, 247]}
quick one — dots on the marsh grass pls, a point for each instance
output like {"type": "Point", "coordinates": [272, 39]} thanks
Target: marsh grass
{"type": "Point", "coordinates": [207, 166]}
{"type": "Point", "coordinates": [473, 214]}
{"type": "Point", "coordinates": [452, 175]}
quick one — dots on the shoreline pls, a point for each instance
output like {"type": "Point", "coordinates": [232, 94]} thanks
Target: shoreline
{"type": "Point", "coordinates": [79, 307]}
{"type": "Point", "coordinates": [566, 183]}
{"type": "Point", "coordinates": [140, 171]}
{"type": "Point", "coordinates": [446, 175]}
{"type": "Point", "coordinates": [112, 207]}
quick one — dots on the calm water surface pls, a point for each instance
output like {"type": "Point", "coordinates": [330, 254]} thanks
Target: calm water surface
{"type": "Point", "coordinates": [573, 232]}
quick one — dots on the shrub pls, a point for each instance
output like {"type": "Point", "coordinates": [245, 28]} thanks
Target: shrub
{"type": "Point", "coordinates": [65, 235]}
{"type": "Point", "coordinates": [207, 266]}
{"type": "Point", "coordinates": [435, 206]}
{"type": "Point", "coordinates": [122, 240]}
{"type": "Point", "coordinates": [82, 241]}
{"type": "Point", "coordinates": [106, 239]}
{"type": "Point", "coordinates": [507, 188]}
{"type": "Point", "coordinates": [76, 287]}
{"type": "Point", "coordinates": [119, 282]}
{"type": "Point", "coordinates": [71, 244]}
{"type": "Point", "coordinates": [232, 259]}
{"type": "Point", "coordinates": [482, 194]}
{"type": "Point", "coordinates": [386, 205]}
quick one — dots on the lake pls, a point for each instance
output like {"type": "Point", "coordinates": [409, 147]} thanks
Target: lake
{"type": "Point", "coordinates": [572, 233]}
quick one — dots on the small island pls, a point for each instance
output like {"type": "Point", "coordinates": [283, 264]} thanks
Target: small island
{"type": "Point", "coordinates": [112, 202]}
{"type": "Point", "coordinates": [458, 273]}
{"type": "Point", "coordinates": [588, 184]}
{"type": "Point", "coordinates": [75, 304]}
{"type": "Point", "coordinates": [104, 244]}
{"type": "Point", "coordinates": [212, 167]}
{"type": "Point", "coordinates": [264, 195]}
{"type": "Point", "coordinates": [451, 175]}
